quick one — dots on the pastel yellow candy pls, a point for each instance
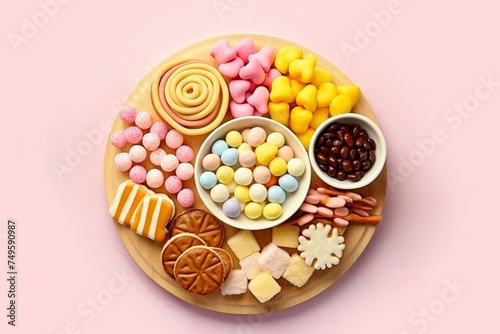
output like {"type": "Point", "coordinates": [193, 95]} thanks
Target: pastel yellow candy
{"type": "Point", "coordinates": [319, 116]}
{"type": "Point", "coordinates": [307, 97]}
{"type": "Point", "coordinates": [321, 76]}
{"type": "Point", "coordinates": [280, 112]}
{"type": "Point", "coordinates": [278, 166]}
{"type": "Point", "coordinates": [353, 92]}
{"type": "Point", "coordinates": [234, 138]}
{"type": "Point", "coordinates": [296, 86]}
{"type": "Point", "coordinates": [244, 147]}
{"type": "Point", "coordinates": [285, 56]}
{"type": "Point", "coordinates": [305, 138]}
{"type": "Point", "coordinates": [281, 91]}
{"type": "Point", "coordinates": [242, 194]}
{"type": "Point", "coordinates": [303, 69]}
{"type": "Point", "coordinates": [276, 138]}
{"type": "Point", "coordinates": [265, 153]}
{"type": "Point", "coordinates": [272, 211]}
{"type": "Point", "coordinates": [341, 104]}
{"type": "Point", "coordinates": [225, 174]}
{"type": "Point", "coordinates": [326, 92]}
{"type": "Point", "coordinates": [300, 119]}
{"type": "Point", "coordinates": [253, 210]}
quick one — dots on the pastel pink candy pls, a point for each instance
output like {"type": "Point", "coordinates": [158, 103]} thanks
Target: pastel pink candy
{"type": "Point", "coordinates": [160, 129]}
{"type": "Point", "coordinates": [138, 174]}
{"type": "Point", "coordinates": [252, 87]}
{"type": "Point", "coordinates": [133, 134]}
{"type": "Point", "coordinates": [245, 48]}
{"type": "Point", "coordinates": [118, 139]}
{"type": "Point", "coordinates": [222, 52]}
{"type": "Point", "coordinates": [253, 71]}
{"type": "Point", "coordinates": [173, 184]}
{"type": "Point", "coordinates": [127, 113]}
{"type": "Point", "coordinates": [186, 197]}
{"type": "Point", "coordinates": [231, 68]}
{"type": "Point", "coordinates": [270, 76]}
{"type": "Point", "coordinates": [237, 89]}
{"type": "Point", "coordinates": [240, 109]}
{"type": "Point", "coordinates": [259, 99]}
{"type": "Point", "coordinates": [265, 57]}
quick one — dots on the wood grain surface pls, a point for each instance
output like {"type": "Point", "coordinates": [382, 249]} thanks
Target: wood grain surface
{"type": "Point", "coordinates": [147, 252]}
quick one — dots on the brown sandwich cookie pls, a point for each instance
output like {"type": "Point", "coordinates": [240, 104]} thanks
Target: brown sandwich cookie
{"type": "Point", "coordinates": [199, 270]}
{"type": "Point", "coordinates": [174, 247]}
{"type": "Point", "coordinates": [200, 222]}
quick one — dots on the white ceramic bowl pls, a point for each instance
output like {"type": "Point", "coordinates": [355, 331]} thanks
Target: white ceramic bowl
{"type": "Point", "coordinates": [293, 200]}
{"type": "Point", "coordinates": [373, 131]}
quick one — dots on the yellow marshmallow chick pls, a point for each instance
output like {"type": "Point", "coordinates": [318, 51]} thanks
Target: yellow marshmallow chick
{"type": "Point", "coordinates": [319, 116]}
{"type": "Point", "coordinates": [281, 91]}
{"type": "Point", "coordinates": [341, 104]}
{"type": "Point", "coordinates": [305, 138]}
{"type": "Point", "coordinates": [354, 93]}
{"type": "Point", "coordinates": [307, 97]}
{"type": "Point", "coordinates": [300, 119]}
{"type": "Point", "coordinates": [326, 92]}
{"type": "Point", "coordinates": [280, 112]}
{"type": "Point", "coordinates": [303, 69]}
{"type": "Point", "coordinates": [285, 56]}
{"type": "Point", "coordinates": [321, 76]}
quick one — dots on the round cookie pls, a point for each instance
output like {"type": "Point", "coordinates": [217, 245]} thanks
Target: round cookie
{"type": "Point", "coordinates": [175, 247]}
{"type": "Point", "coordinates": [199, 270]}
{"type": "Point", "coordinates": [227, 260]}
{"type": "Point", "coordinates": [200, 222]}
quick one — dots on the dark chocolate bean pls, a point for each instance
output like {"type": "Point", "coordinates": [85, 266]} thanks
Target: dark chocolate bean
{"type": "Point", "coordinates": [334, 151]}
{"type": "Point", "coordinates": [337, 143]}
{"type": "Point", "coordinates": [372, 143]}
{"type": "Point", "coordinates": [347, 165]}
{"type": "Point", "coordinates": [340, 136]}
{"type": "Point", "coordinates": [329, 143]}
{"type": "Point", "coordinates": [355, 131]}
{"type": "Point", "coordinates": [353, 176]}
{"type": "Point", "coordinates": [371, 157]}
{"type": "Point", "coordinates": [344, 152]}
{"type": "Point", "coordinates": [329, 135]}
{"type": "Point", "coordinates": [324, 150]}
{"type": "Point", "coordinates": [340, 175]}
{"type": "Point", "coordinates": [331, 172]}
{"type": "Point", "coordinates": [322, 159]}
{"type": "Point", "coordinates": [332, 161]}
{"type": "Point", "coordinates": [320, 141]}
{"type": "Point", "coordinates": [365, 165]}
{"type": "Point", "coordinates": [348, 139]}
{"type": "Point", "coordinates": [324, 168]}
{"type": "Point", "coordinates": [359, 142]}
{"type": "Point", "coordinates": [334, 127]}
{"type": "Point", "coordinates": [363, 134]}
{"type": "Point", "coordinates": [353, 155]}
{"type": "Point", "coordinates": [356, 165]}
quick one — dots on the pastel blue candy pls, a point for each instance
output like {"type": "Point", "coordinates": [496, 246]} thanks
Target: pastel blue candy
{"type": "Point", "coordinates": [288, 183]}
{"type": "Point", "coordinates": [229, 157]}
{"type": "Point", "coordinates": [208, 180]}
{"type": "Point", "coordinates": [276, 194]}
{"type": "Point", "coordinates": [219, 147]}
{"type": "Point", "coordinates": [231, 208]}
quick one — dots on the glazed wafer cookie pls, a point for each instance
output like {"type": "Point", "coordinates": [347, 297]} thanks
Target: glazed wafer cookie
{"type": "Point", "coordinates": [127, 199]}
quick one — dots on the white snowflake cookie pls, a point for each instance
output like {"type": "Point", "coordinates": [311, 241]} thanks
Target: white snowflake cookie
{"type": "Point", "coordinates": [316, 243]}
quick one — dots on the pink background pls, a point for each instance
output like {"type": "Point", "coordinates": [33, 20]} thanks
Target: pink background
{"type": "Point", "coordinates": [439, 228]}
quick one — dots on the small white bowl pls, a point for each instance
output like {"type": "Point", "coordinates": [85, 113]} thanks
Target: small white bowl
{"type": "Point", "coordinates": [374, 133]}
{"type": "Point", "coordinates": [293, 200]}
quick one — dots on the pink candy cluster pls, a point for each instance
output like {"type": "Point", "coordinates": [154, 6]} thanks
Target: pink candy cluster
{"type": "Point", "coordinates": [151, 134]}
{"type": "Point", "coordinates": [250, 73]}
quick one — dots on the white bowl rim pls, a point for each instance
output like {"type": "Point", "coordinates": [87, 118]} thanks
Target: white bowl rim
{"type": "Point", "coordinates": [374, 171]}
{"type": "Point", "coordinates": [249, 224]}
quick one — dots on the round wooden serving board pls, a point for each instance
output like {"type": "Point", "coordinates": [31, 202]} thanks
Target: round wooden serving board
{"type": "Point", "coordinates": [147, 252]}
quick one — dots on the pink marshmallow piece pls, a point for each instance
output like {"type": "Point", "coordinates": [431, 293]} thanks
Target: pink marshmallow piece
{"type": "Point", "coordinates": [237, 89]}
{"type": "Point", "coordinates": [253, 71]}
{"type": "Point", "coordinates": [222, 52]}
{"type": "Point", "coordinates": [241, 109]}
{"type": "Point", "coordinates": [245, 48]}
{"type": "Point", "coordinates": [259, 99]}
{"type": "Point", "coordinates": [231, 68]}
{"type": "Point", "coordinates": [270, 76]}
{"type": "Point", "coordinates": [265, 57]}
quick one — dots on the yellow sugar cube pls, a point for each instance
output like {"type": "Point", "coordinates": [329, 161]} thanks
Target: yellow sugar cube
{"type": "Point", "coordinates": [286, 236]}
{"type": "Point", "coordinates": [298, 272]}
{"type": "Point", "coordinates": [264, 287]}
{"type": "Point", "coordinates": [243, 244]}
